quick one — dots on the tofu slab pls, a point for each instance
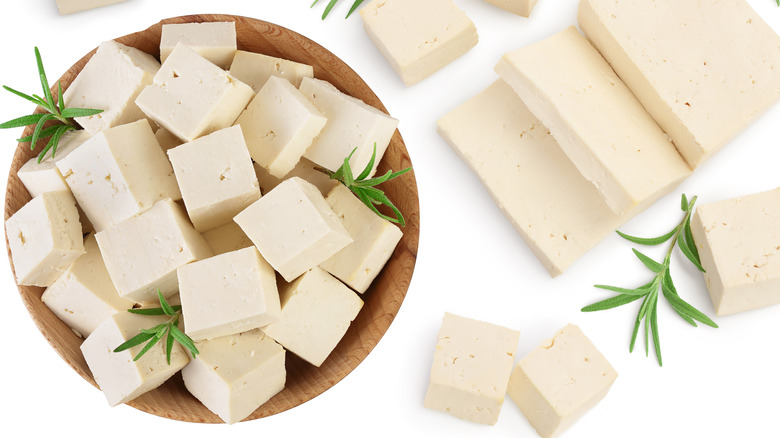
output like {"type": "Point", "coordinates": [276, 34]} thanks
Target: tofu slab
{"type": "Point", "coordinates": [73, 6]}
{"type": "Point", "coordinates": [305, 170]}
{"type": "Point", "coordinates": [215, 41]}
{"type": "Point", "coordinates": [42, 177]}
{"type": "Point", "coordinates": [522, 8]}
{"type": "Point", "coordinates": [254, 69]}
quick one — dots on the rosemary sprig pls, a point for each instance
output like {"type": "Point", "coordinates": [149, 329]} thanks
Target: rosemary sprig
{"type": "Point", "coordinates": [55, 111]}
{"type": "Point", "coordinates": [170, 330]}
{"type": "Point", "coordinates": [682, 237]}
{"type": "Point", "coordinates": [332, 3]}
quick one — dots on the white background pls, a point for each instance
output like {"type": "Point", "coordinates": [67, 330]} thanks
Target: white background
{"type": "Point", "coordinates": [719, 383]}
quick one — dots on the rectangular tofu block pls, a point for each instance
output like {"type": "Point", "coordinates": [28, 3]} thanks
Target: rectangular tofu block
{"type": "Point", "coordinates": [418, 38]}
{"type": "Point", "coordinates": [739, 245]}
{"type": "Point", "coordinates": [72, 6]}
{"type": "Point", "coordinates": [235, 375]}
{"type": "Point", "coordinates": [471, 368]}
{"type": "Point", "coordinates": [522, 8]}
{"type": "Point", "coordinates": [559, 215]}
{"type": "Point", "coordinates": [143, 253]}
{"type": "Point", "coordinates": [704, 70]}
{"type": "Point", "coordinates": [560, 381]}
{"type": "Point", "coordinates": [305, 169]}
{"type": "Point", "coordinates": [254, 69]}
{"type": "Point", "coordinates": [227, 238]}
{"type": "Point", "coordinates": [317, 310]}
{"type": "Point", "coordinates": [216, 177]}
{"type": "Point", "coordinates": [119, 377]}
{"type": "Point", "coordinates": [118, 173]}
{"type": "Point", "coordinates": [44, 238]}
{"type": "Point", "coordinates": [352, 124]}
{"type": "Point", "coordinates": [215, 41]}
{"type": "Point", "coordinates": [191, 97]}
{"type": "Point", "coordinates": [39, 178]}
{"type": "Point", "coordinates": [279, 125]}
{"type": "Point", "coordinates": [111, 81]}
{"type": "Point", "coordinates": [598, 123]}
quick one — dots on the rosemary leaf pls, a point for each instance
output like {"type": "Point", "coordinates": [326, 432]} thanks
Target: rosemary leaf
{"type": "Point", "coordinates": [648, 242]}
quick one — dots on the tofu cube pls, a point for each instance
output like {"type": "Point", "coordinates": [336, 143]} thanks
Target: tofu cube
{"type": "Point", "coordinates": [216, 177]}
{"type": "Point", "coordinates": [560, 381]}
{"type": "Point", "coordinates": [84, 296]}
{"type": "Point", "coordinates": [39, 178]}
{"type": "Point", "coordinates": [738, 242]}
{"type": "Point", "coordinates": [471, 368]}
{"type": "Point", "coordinates": [279, 125]}
{"type": "Point", "coordinates": [317, 310]}
{"type": "Point", "coordinates": [352, 124]}
{"type": "Point", "coordinates": [228, 294]}
{"type": "Point", "coordinates": [72, 6]}
{"type": "Point", "coordinates": [191, 97]}
{"type": "Point", "coordinates": [227, 238]}
{"type": "Point", "coordinates": [418, 38]}
{"type": "Point", "coordinates": [120, 377]}
{"type": "Point", "coordinates": [143, 253]}
{"type": "Point", "coordinates": [118, 173]}
{"type": "Point", "coordinates": [215, 41]}
{"type": "Point", "coordinates": [234, 375]}
{"type": "Point", "coordinates": [111, 80]}
{"type": "Point", "coordinates": [293, 228]}
{"type": "Point", "coordinates": [374, 240]}
{"type": "Point", "coordinates": [522, 8]}
{"type": "Point", "coordinates": [305, 169]}
{"type": "Point", "coordinates": [254, 69]}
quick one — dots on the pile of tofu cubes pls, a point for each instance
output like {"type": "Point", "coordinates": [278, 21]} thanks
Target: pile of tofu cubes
{"type": "Point", "coordinates": [166, 184]}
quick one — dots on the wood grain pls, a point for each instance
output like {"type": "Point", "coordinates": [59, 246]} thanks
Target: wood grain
{"type": "Point", "coordinates": [382, 300]}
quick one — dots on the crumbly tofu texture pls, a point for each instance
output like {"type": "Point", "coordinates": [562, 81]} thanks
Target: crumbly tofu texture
{"type": "Point", "coordinates": [731, 75]}
{"type": "Point", "coordinates": [522, 8]}
{"type": "Point", "coordinates": [215, 41]}
{"type": "Point", "coordinates": [254, 69]}
{"type": "Point", "coordinates": [44, 237]}
{"type": "Point", "coordinates": [73, 6]}
{"type": "Point", "coordinates": [111, 81]}
{"type": "Point", "coordinates": [42, 177]}
{"type": "Point", "coordinates": [555, 210]}
{"type": "Point", "coordinates": [305, 170]}
{"type": "Point", "coordinates": [739, 245]}
{"type": "Point", "coordinates": [596, 120]}
{"type": "Point", "coordinates": [560, 381]}
{"type": "Point", "coordinates": [471, 367]}
{"type": "Point", "coordinates": [418, 38]}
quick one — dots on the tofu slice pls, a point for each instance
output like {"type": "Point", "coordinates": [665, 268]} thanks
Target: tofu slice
{"type": "Point", "coordinates": [598, 123]}
{"type": "Point", "coordinates": [73, 6]}
{"type": "Point", "coordinates": [39, 178]}
{"type": "Point", "coordinates": [227, 238]}
{"type": "Point", "coordinates": [254, 69]}
{"type": "Point", "coordinates": [215, 41]}
{"type": "Point", "coordinates": [305, 170]}
{"type": "Point", "coordinates": [522, 8]}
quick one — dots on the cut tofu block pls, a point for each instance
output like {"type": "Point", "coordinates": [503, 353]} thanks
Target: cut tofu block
{"type": "Point", "coordinates": [279, 125]}
{"type": "Point", "coordinates": [234, 375]}
{"type": "Point", "coordinates": [216, 177]}
{"type": "Point", "coordinates": [118, 173]}
{"type": "Point", "coordinates": [254, 69]}
{"type": "Point", "coordinates": [167, 140]}
{"type": "Point", "coordinates": [374, 240]}
{"type": "Point", "coordinates": [143, 253]}
{"type": "Point", "coordinates": [39, 178]}
{"type": "Point", "coordinates": [72, 6]}
{"type": "Point", "coordinates": [227, 238]}
{"type": "Point", "coordinates": [418, 38]}
{"type": "Point", "coordinates": [305, 169]}
{"type": "Point", "coordinates": [598, 123]}
{"type": "Point", "coordinates": [215, 41]}
{"type": "Point", "coordinates": [519, 7]}
{"type": "Point", "coordinates": [317, 310]}
{"type": "Point", "coordinates": [192, 97]}
{"type": "Point", "coordinates": [111, 81]}
{"type": "Point", "coordinates": [559, 215]}
{"type": "Point", "coordinates": [228, 294]}
{"type": "Point", "coordinates": [119, 377]}
{"type": "Point", "coordinates": [294, 228]}
{"type": "Point", "coordinates": [739, 245]}
{"type": "Point", "coordinates": [704, 91]}
{"type": "Point", "coordinates": [560, 381]}
{"type": "Point", "coordinates": [84, 295]}
{"type": "Point", "coordinates": [44, 238]}
{"type": "Point", "coordinates": [471, 368]}
{"type": "Point", "coordinates": [352, 124]}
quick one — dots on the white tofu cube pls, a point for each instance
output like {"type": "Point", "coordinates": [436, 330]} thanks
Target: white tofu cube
{"type": "Point", "coordinates": [254, 69]}
{"type": "Point", "coordinates": [192, 97]}
{"type": "Point", "coordinates": [227, 238]}
{"type": "Point", "coordinates": [418, 38]}
{"type": "Point", "coordinates": [143, 253]}
{"type": "Point", "coordinates": [352, 124]}
{"type": "Point", "coordinates": [293, 228]}
{"type": "Point", "coordinates": [118, 173]}
{"type": "Point", "coordinates": [279, 125]}
{"type": "Point", "coordinates": [216, 177]}
{"type": "Point", "coordinates": [84, 295]}
{"type": "Point", "coordinates": [374, 240]}
{"type": "Point", "coordinates": [44, 237]}
{"type": "Point", "coordinates": [111, 81]}
{"type": "Point", "coordinates": [72, 6]}
{"type": "Point", "coordinates": [471, 368]}
{"type": "Point", "coordinates": [228, 294]}
{"type": "Point", "coordinates": [305, 170]}
{"type": "Point", "coordinates": [39, 178]}
{"type": "Point", "coordinates": [234, 375]}
{"type": "Point", "coordinates": [560, 381]}
{"type": "Point", "coordinates": [317, 310]}
{"type": "Point", "coordinates": [215, 41]}
{"type": "Point", "coordinates": [522, 8]}
{"type": "Point", "coordinates": [119, 377]}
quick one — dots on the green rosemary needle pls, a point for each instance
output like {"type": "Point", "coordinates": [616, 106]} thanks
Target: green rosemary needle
{"type": "Point", "coordinates": [332, 3]}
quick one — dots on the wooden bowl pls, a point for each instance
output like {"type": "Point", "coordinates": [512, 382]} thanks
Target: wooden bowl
{"type": "Point", "coordinates": [382, 300]}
